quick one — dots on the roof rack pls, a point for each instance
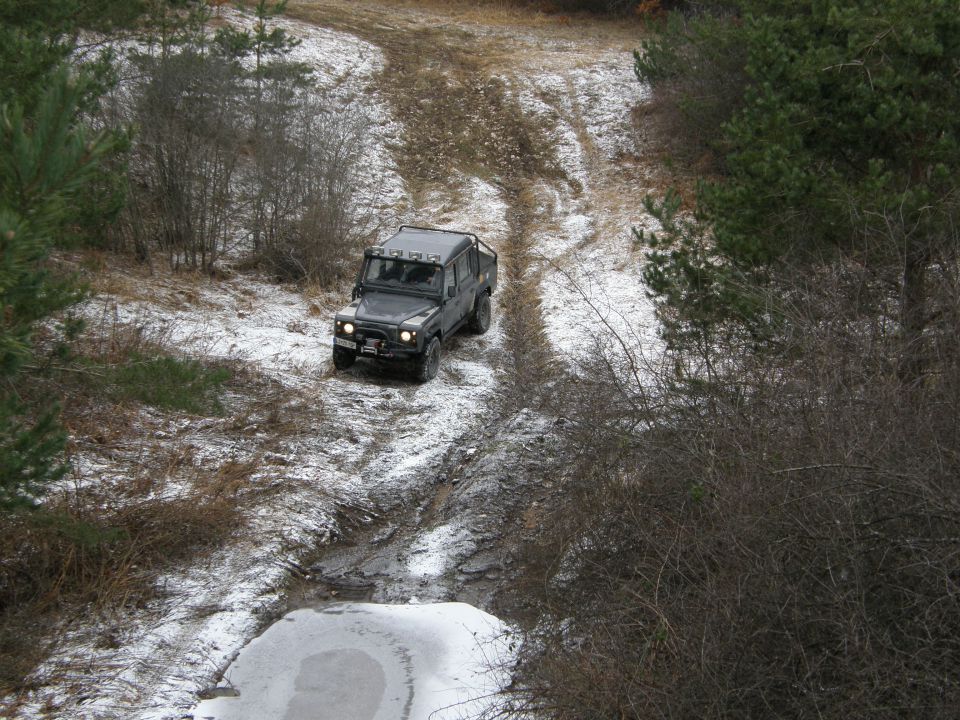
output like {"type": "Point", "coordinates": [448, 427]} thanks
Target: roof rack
{"type": "Point", "coordinates": [452, 232]}
{"type": "Point", "coordinates": [439, 230]}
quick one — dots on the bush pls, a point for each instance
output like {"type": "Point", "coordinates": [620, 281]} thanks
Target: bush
{"type": "Point", "coordinates": [608, 7]}
{"type": "Point", "coordinates": [307, 171]}
{"type": "Point", "coordinates": [228, 156]}
{"type": "Point", "coordinates": [189, 112]}
{"type": "Point", "coordinates": [778, 539]}
{"type": "Point", "coordinates": [802, 182]}
{"type": "Point", "coordinates": [695, 65]}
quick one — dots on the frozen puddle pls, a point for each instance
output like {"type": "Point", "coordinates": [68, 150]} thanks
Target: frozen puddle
{"type": "Point", "coordinates": [361, 661]}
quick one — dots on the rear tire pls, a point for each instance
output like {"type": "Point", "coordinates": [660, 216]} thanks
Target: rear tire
{"type": "Point", "coordinates": [480, 319]}
{"type": "Point", "coordinates": [343, 359]}
{"type": "Point", "coordinates": [428, 364]}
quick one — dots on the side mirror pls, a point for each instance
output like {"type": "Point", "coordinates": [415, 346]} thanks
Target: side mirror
{"type": "Point", "coordinates": [451, 291]}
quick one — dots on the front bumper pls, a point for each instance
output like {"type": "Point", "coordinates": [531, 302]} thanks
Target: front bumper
{"type": "Point", "coordinates": [375, 347]}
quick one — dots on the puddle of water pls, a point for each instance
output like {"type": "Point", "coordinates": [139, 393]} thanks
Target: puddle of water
{"type": "Point", "coordinates": [364, 661]}
{"type": "Point", "coordinates": [344, 589]}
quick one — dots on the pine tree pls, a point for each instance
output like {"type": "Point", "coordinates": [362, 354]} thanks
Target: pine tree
{"type": "Point", "coordinates": [38, 37]}
{"type": "Point", "coordinates": [846, 143]}
{"type": "Point", "coordinates": [45, 160]}
{"type": "Point", "coordinates": [263, 42]}
{"type": "Point", "coordinates": [274, 85]}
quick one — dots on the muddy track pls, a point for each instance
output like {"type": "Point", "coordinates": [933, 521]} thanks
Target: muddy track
{"type": "Point", "coordinates": [451, 542]}
{"type": "Point", "coordinates": [459, 119]}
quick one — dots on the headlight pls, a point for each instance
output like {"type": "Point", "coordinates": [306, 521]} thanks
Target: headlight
{"type": "Point", "coordinates": [348, 328]}
{"type": "Point", "coordinates": [405, 336]}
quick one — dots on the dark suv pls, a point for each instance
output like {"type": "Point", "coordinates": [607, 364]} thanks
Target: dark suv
{"type": "Point", "coordinates": [414, 291]}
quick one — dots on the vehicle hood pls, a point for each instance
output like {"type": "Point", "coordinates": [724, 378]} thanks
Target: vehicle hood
{"type": "Point", "coordinates": [392, 308]}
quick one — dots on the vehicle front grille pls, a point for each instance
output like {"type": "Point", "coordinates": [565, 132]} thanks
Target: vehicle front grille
{"type": "Point", "coordinates": [376, 332]}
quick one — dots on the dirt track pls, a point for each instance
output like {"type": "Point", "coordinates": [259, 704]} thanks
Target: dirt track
{"type": "Point", "coordinates": [454, 84]}
{"type": "Point", "coordinates": [393, 491]}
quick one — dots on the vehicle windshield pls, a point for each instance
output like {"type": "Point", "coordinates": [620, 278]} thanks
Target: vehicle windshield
{"type": "Point", "coordinates": [402, 274]}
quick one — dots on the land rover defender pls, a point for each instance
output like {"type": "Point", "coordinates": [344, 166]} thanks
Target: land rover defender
{"type": "Point", "coordinates": [412, 293]}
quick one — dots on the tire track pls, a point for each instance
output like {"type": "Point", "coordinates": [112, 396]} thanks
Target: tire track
{"type": "Point", "coordinates": [460, 119]}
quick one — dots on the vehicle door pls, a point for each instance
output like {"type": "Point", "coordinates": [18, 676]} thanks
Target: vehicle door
{"type": "Point", "coordinates": [451, 305]}
{"type": "Point", "coordinates": [466, 283]}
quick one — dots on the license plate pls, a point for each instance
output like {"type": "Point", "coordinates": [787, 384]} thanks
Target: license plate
{"type": "Point", "coordinates": [345, 343]}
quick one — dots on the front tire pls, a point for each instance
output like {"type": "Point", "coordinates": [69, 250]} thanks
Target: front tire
{"type": "Point", "coordinates": [428, 364]}
{"type": "Point", "coordinates": [480, 319]}
{"type": "Point", "coordinates": [343, 359]}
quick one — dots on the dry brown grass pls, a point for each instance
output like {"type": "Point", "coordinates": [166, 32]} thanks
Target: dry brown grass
{"type": "Point", "coordinates": [79, 557]}
{"type": "Point", "coordinates": [487, 12]}
{"type": "Point", "coordinates": [122, 276]}
{"type": "Point", "coordinates": [494, 13]}
{"type": "Point", "coordinates": [529, 359]}
{"type": "Point", "coordinates": [668, 166]}
{"type": "Point", "coordinates": [98, 545]}
{"type": "Point", "coordinates": [445, 85]}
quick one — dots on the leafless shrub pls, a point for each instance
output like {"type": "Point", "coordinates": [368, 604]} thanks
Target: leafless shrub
{"type": "Point", "coordinates": [779, 541]}
{"type": "Point", "coordinates": [185, 156]}
{"type": "Point", "coordinates": [309, 218]}
{"type": "Point", "coordinates": [219, 156]}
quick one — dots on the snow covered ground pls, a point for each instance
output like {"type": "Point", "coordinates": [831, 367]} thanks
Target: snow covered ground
{"type": "Point", "coordinates": [375, 437]}
{"type": "Point", "coordinates": [590, 265]}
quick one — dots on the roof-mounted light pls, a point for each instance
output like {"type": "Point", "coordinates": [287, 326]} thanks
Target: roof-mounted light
{"type": "Point", "coordinates": [376, 250]}
{"type": "Point", "coordinates": [394, 252]}
{"type": "Point", "coordinates": [415, 255]}
{"type": "Point", "coordinates": [433, 257]}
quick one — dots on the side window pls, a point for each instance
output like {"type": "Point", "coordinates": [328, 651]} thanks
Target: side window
{"type": "Point", "coordinates": [449, 279]}
{"type": "Point", "coordinates": [463, 268]}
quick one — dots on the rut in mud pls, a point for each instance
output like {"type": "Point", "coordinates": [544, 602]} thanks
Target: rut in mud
{"type": "Point", "coordinates": [459, 118]}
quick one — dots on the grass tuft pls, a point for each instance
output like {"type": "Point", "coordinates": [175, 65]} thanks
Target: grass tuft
{"type": "Point", "coordinates": [168, 383]}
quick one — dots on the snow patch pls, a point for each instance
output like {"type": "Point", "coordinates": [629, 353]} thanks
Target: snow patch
{"type": "Point", "coordinates": [434, 551]}
{"type": "Point", "coordinates": [598, 292]}
{"type": "Point", "coordinates": [369, 662]}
